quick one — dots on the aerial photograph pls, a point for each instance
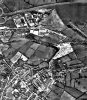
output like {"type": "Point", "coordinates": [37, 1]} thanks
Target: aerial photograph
{"type": "Point", "coordinates": [43, 49]}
